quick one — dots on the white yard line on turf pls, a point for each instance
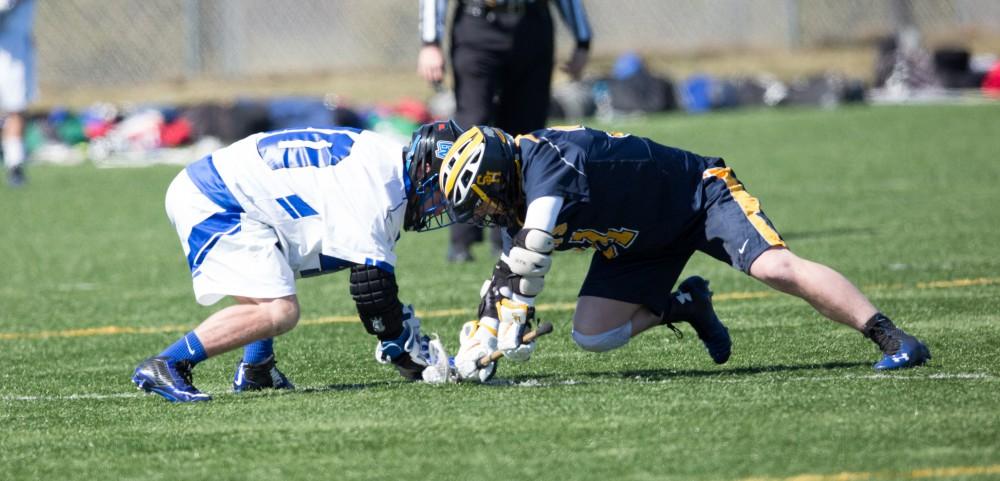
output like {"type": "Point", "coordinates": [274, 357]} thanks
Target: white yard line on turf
{"type": "Point", "coordinates": [754, 378]}
{"type": "Point", "coordinates": [71, 397]}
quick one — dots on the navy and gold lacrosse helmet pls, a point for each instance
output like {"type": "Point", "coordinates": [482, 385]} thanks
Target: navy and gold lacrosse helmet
{"type": "Point", "coordinates": [424, 209]}
{"type": "Point", "coordinates": [481, 178]}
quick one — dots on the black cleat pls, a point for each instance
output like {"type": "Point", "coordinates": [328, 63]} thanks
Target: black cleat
{"type": "Point", "coordinates": [692, 303]}
{"type": "Point", "coordinates": [263, 375]}
{"type": "Point", "coordinates": [15, 176]}
{"type": "Point", "coordinates": [408, 368]}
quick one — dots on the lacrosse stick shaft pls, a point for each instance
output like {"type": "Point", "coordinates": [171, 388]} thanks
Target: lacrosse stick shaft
{"type": "Point", "coordinates": [542, 329]}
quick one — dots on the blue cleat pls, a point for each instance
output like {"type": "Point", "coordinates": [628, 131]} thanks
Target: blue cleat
{"type": "Point", "coordinates": [900, 350]}
{"type": "Point", "coordinates": [911, 353]}
{"type": "Point", "coordinates": [692, 303]}
{"type": "Point", "coordinates": [256, 377]}
{"type": "Point", "coordinates": [168, 378]}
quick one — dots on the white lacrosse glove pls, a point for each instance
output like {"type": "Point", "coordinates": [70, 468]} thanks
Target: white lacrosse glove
{"type": "Point", "coordinates": [476, 339]}
{"type": "Point", "coordinates": [514, 323]}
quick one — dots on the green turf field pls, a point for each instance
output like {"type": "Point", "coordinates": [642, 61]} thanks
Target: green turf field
{"type": "Point", "coordinates": [904, 201]}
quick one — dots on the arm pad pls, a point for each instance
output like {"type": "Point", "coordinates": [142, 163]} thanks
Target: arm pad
{"type": "Point", "coordinates": [530, 255]}
{"type": "Point", "coordinates": [535, 239]}
{"type": "Point", "coordinates": [521, 271]}
{"type": "Point", "coordinates": [376, 296]}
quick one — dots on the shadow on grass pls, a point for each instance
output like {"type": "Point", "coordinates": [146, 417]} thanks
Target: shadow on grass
{"type": "Point", "coordinates": [580, 378]}
{"type": "Point", "coordinates": [521, 380]}
{"type": "Point", "coordinates": [646, 375]}
{"type": "Point", "coordinates": [298, 391]}
{"type": "Point", "coordinates": [348, 387]}
{"type": "Point", "coordinates": [659, 374]}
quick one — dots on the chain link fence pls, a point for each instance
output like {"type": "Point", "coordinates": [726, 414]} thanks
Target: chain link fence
{"type": "Point", "coordinates": [129, 42]}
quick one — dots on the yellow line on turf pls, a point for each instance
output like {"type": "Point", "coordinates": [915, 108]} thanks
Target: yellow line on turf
{"type": "Point", "coordinates": [982, 281]}
{"type": "Point", "coordinates": [875, 475]}
{"type": "Point", "coordinates": [739, 296]}
{"type": "Point", "coordinates": [92, 331]}
{"type": "Point", "coordinates": [561, 306]}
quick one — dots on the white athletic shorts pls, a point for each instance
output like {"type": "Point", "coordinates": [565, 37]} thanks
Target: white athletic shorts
{"type": "Point", "coordinates": [17, 73]}
{"type": "Point", "coordinates": [229, 255]}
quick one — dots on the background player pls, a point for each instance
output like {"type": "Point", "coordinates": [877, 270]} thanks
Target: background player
{"type": "Point", "coordinates": [502, 56]}
{"type": "Point", "coordinates": [645, 208]}
{"type": "Point", "coordinates": [297, 203]}
{"type": "Point", "coordinates": [17, 81]}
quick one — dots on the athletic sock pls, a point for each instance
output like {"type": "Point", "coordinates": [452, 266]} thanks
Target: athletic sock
{"type": "Point", "coordinates": [258, 351]}
{"type": "Point", "coordinates": [882, 332]}
{"type": "Point", "coordinates": [187, 348]}
{"type": "Point", "coordinates": [13, 152]}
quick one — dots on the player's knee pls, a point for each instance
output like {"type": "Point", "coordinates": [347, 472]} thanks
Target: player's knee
{"type": "Point", "coordinates": [284, 314]}
{"type": "Point", "coordinates": [605, 341]}
{"type": "Point", "coordinates": [776, 266]}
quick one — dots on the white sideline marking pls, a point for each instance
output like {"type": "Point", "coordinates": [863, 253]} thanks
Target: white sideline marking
{"type": "Point", "coordinates": [863, 377]}
{"type": "Point", "coordinates": [72, 397]}
{"type": "Point", "coordinates": [972, 376]}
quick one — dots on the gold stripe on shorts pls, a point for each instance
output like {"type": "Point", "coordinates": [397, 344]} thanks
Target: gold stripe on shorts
{"type": "Point", "coordinates": [747, 202]}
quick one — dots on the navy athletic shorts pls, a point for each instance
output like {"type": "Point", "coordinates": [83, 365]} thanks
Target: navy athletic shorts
{"type": "Point", "coordinates": [733, 229]}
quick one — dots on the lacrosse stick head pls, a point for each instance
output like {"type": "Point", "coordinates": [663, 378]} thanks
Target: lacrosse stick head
{"type": "Point", "coordinates": [438, 370]}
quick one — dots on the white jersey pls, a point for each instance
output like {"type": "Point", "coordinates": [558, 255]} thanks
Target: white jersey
{"type": "Point", "coordinates": [17, 55]}
{"type": "Point", "coordinates": [328, 198]}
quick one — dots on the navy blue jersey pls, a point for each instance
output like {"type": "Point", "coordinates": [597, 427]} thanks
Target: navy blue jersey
{"type": "Point", "coordinates": [624, 195]}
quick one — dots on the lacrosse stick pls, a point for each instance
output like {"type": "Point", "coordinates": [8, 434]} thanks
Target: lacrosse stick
{"type": "Point", "coordinates": [542, 329]}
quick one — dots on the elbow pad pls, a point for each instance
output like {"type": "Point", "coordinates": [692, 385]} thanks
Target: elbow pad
{"type": "Point", "coordinates": [376, 296]}
{"type": "Point", "coordinates": [521, 271]}
{"type": "Point", "coordinates": [530, 256]}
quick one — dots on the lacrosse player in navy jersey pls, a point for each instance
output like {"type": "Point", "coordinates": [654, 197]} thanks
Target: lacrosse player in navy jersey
{"type": "Point", "coordinates": [275, 206]}
{"type": "Point", "coordinates": [645, 208]}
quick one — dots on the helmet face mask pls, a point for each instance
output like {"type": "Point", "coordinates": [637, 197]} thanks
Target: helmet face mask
{"type": "Point", "coordinates": [426, 208]}
{"type": "Point", "coordinates": [480, 177]}
{"type": "Point", "coordinates": [491, 214]}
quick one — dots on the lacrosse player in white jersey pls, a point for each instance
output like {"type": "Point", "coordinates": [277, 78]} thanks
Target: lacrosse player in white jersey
{"type": "Point", "coordinates": [17, 82]}
{"type": "Point", "coordinates": [258, 214]}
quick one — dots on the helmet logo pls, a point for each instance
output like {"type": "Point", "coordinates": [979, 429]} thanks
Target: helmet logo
{"type": "Point", "coordinates": [488, 178]}
{"type": "Point", "coordinates": [443, 146]}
